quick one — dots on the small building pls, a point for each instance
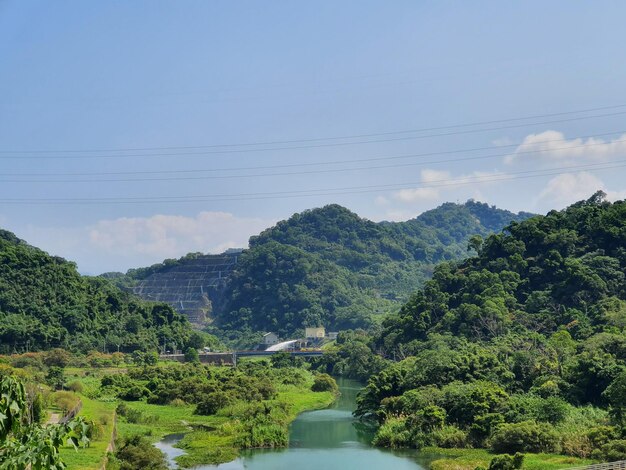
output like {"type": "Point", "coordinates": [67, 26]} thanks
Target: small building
{"type": "Point", "coordinates": [315, 333]}
{"type": "Point", "coordinates": [332, 335]}
{"type": "Point", "coordinates": [270, 339]}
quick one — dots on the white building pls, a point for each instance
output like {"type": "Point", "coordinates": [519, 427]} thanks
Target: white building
{"type": "Point", "coordinates": [315, 333]}
{"type": "Point", "coordinates": [270, 339]}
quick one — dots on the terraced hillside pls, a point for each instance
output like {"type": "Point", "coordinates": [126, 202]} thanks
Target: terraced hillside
{"type": "Point", "coordinates": [190, 284]}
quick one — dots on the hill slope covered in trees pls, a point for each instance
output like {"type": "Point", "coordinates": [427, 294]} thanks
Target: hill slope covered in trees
{"type": "Point", "coordinates": [520, 348]}
{"type": "Point", "coordinates": [45, 302]}
{"type": "Point", "coordinates": [328, 266]}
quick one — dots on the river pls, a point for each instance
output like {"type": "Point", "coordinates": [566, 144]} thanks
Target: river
{"type": "Point", "coordinates": [318, 440]}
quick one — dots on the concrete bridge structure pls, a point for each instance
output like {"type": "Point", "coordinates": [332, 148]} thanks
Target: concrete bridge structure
{"type": "Point", "coordinates": [230, 358]}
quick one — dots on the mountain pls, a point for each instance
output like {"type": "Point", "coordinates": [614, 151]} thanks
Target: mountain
{"type": "Point", "coordinates": [523, 343]}
{"type": "Point", "coordinates": [189, 284]}
{"type": "Point", "coordinates": [45, 302]}
{"type": "Point", "coordinates": [331, 267]}
{"type": "Point", "coordinates": [562, 270]}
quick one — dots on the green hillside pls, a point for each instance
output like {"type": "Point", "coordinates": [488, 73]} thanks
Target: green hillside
{"type": "Point", "coordinates": [329, 266]}
{"type": "Point", "coordinates": [45, 302]}
{"type": "Point", "coordinates": [520, 348]}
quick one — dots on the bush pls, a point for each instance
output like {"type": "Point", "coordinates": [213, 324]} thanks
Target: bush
{"type": "Point", "coordinates": [527, 436]}
{"type": "Point", "coordinates": [324, 383]}
{"type": "Point", "coordinates": [484, 425]}
{"type": "Point", "coordinates": [134, 393]}
{"type": "Point", "coordinates": [213, 402]}
{"type": "Point", "coordinates": [95, 431]}
{"type": "Point", "coordinates": [66, 401]}
{"type": "Point", "coordinates": [393, 433]}
{"type": "Point", "coordinates": [191, 355]}
{"type": "Point", "coordinates": [137, 452]}
{"type": "Point", "coordinates": [57, 358]}
{"type": "Point", "coordinates": [75, 386]}
{"type": "Point", "coordinates": [611, 452]}
{"type": "Point", "coordinates": [450, 437]}
{"type": "Point", "coordinates": [506, 462]}
{"type": "Point", "coordinates": [552, 410]}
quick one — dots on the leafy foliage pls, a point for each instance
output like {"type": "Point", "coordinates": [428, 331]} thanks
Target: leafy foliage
{"type": "Point", "coordinates": [328, 266]}
{"type": "Point", "coordinates": [46, 303]}
{"type": "Point", "coordinates": [522, 347]}
{"type": "Point", "coordinates": [26, 444]}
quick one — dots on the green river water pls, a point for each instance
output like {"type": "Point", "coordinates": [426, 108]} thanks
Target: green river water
{"type": "Point", "coordinates": [319, 440]}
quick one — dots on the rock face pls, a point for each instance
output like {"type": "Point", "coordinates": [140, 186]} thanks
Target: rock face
{"type": "Point", "coordinates": [191, 286]}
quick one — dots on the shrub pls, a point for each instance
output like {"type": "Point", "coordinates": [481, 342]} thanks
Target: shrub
{"type": "Point", "coordinates": [133, 416]}
{"type": "Point", "coordinates": [137, 452]}
{"type": "Point", "coordinates": [527, 436]}
{"type": "Point", "coordinates": [57, 358]}
{"type": "Point", "coordinates": [134, 393]}
{"type": "Point", "coordinates": [465, 401]}
{"type": "Point", "coordinates": [65, 400]}
{"type": "Point", "coordinates": [611, 451]}
{"type": "Point", "coordinates": [191, 355]}
{"type": "Point", "coordinates": [213, 402]}
{"type": "Point", "coordinates": [601, 435]}
{"type": "Point", "coordinates": [177, 402]}
{"type": "Point", "coordinates": [450, 437]}
{"type": "Point", "coordinates": [324, 383]}
{"type": "Point", "coordinates": [95, 430]}
{"type": "Point", "coordinates": [393, 433]}
{"type": "Point", "coordinates": [75, 386]}
{"type": "Point", "coordinates": [552, 410]}
{"type": "Point", "coordinates": [506, 462]}
{"type": "Point", "coordinates": [484, 425]}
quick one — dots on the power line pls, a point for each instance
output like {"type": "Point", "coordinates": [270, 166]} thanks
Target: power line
{"type": "Point", "coordinates": [339, 162]}
{"type": "Point", "coordinates": [23, 153]}
{"type": "Point", "coordinates": [307, 172]}
{"type": "Point", "coordinates": [321, 192]}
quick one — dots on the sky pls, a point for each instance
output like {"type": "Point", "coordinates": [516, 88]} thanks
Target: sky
{"type": "Point", "coordinates": [131, 132]}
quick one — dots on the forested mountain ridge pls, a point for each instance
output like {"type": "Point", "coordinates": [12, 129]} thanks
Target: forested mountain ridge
{"type": "Point", "coordinates": [565, 269]}
{"type": "Point", "coordinates": [520, 348]}
{"type": "Point", "coordinates": [329, 266]}
{"type": "Point", "coordinates": [45, 302]}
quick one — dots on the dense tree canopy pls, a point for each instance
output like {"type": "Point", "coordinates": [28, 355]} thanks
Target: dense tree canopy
{"type": "Point", "coordinates": [45, 303]}
{"type": "Point", "coordinates": [328, 266]}
{"type": "Point", "coordinates": [520, 348]}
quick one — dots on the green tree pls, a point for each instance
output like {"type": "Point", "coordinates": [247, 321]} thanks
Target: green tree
{"type": "Point", "coordinates": [615, 395]}
{"type": "Point", "coordinates": [191, 355]}
{"type": "Point", "coordinates": [27, 444]}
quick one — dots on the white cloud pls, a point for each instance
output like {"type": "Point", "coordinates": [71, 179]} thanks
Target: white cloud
{"type": "Point", "coordinates": [416, 194]}
{"type": "Point", "coordinates": [381, 201]}
{"type": "Point", "coordinates": [119, 244]}
{"type": "Point", "coordinates": [434, 182]}
{"type": "Point", "coordinates": [553, 146]}
{"type": "Point", "coordinates": [568, 188]}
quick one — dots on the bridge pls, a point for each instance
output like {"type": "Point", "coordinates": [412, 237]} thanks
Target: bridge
{"type": "Point", "coordinates": [230, 358]}
{"type": "Point", "coordinates": [294, 353]}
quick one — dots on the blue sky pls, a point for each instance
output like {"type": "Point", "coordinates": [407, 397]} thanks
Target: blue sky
{"type": "Point", "coordinates": [81, 80]}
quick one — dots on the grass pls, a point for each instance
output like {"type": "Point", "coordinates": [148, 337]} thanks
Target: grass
{"type": "Point", "coordinates": [208, 439]}
{"type": "Point", "coordinates": [220, 444]}
{"type": "Point", "coordinates": [92, 457]}
{"type": "Point", "coordinates": [469, 459]}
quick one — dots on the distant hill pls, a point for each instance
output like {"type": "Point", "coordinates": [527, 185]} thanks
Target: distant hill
{"type": "Point", "coordinates": [189, 284]}
{"type": "Point", "coordinates": [45, 302]}
{"type": "Point", "coordinates": [329, 266]}
{"type": "Point", "coordinates": [563, 270]}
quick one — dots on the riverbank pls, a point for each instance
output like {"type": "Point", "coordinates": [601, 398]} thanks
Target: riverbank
{"type": "Point", "coordinates": [221, 438]}
{"type": "Point", "coordinates": [469, 459]}
{"type": "Point", "coordinates": [255, 405]}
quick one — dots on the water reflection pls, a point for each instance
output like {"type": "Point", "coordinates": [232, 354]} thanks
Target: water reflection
{"type": "Point", "coordinates": [326, 439]}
